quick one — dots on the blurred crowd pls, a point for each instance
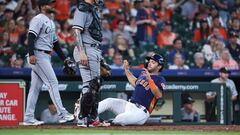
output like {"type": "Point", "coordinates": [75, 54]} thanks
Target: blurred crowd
{"type": "Point", "coordinates": [202, 34]}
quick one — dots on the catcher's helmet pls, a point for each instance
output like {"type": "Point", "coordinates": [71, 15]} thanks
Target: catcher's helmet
{"type": "Point", "coordinates": [45, 2]}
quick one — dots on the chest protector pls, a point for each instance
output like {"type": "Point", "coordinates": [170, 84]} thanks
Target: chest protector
{"type": "Point", "coordinates": [95, 28]}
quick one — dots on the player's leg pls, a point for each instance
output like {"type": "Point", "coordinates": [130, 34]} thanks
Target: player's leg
{"type": "Point", "coordinates": [94, 65]}
{"type": "Point", "coordinates": [132, 116]}
{"type": "Point", "coordinates": [88, 101]}
{"type": "Point", "coordinates": [48, 76]}
{"type": "Point", "coordinates": [117, 106]}
{"type": "Point", "coordinates": [35, 87]}
{"type": "Point", "coordinates": [91, 71]}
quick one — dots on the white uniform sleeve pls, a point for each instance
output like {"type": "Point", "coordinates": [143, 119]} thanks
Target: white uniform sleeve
{"type": "Point", "coordinates": [233, 89]}
{"type": "Point", "coordinates": [35, 26]}
{"type": "Point", "coordinates": [79, 19]}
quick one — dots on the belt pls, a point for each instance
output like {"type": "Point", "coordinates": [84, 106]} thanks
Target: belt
{"type": "Point", "coordinates": [47, 52]}
{"type": "Point", "coordinates": [92, 45]}
{"type": "Point", "coordinates": [140, 107]}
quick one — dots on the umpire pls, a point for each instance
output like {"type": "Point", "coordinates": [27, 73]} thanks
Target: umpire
{"type": "Point", "coordinates": [88, 35]}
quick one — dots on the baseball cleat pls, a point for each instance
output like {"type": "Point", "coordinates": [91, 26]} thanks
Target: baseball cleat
{"type": "Point", "coordinates": [65, 118]}
{"type": "Point", "coordinates": [32, 122]}
{"type": "Point", "coordinates": [98, 123]}
{"type": "Point", "coordinates": [82, 122]}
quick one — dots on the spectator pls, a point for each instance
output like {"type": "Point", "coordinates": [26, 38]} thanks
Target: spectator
{"type": "Point", "coordinates": [13, 33]}
{"type": "Point", "coordinates": [11, 4]}
{"type": "Point", "coordinates": [135, 8]}
{"type": "Point", "coordinates": [7, 16]}
{"type": "Point", "coordinates": [107, 39]}
{"type": "Point", "coordinates": [219, 33]}
{"type": "Point", "coordinates": [209, 49]}
{"type": "Point", "coordinates": [235, 26]}
{"type": "Point", "coordinates": [119, 17]}
{"type": "Point", "coordinates": [166, 37]}
{"type": "Point", "coordinates": [188, 113]}
{"type": "Point", "coordinates": [49, 115]}
{"type": "Point", "coordinates": [2, 8]}
{"type": "Point", "coordinates": [16, 61]}
{"type": "Point", "coordinates": [234, 47]}
{"type": "Point", "coordinates": [117, 61]}
{"type": "Point", "coordinates": [21, 29]}
{"type": "Point", "coordinates": [112, 6]}
{"type": "Point", "coordinates": [220, 46]}
{"type": "Point", "coordinates": [62, 8]}
{"type": "Point", "coordinates": [64, 34]}
{"type": "Point", "coordinates": [203, 32]}
{"type": "Point", "coordinates": [210, 103]}
{"type": "Point", "coordinates": [178, 62]}
{"type": "Point", "coordinates": [121, 46]}
{"type": "Point", "coordinates": [166, 8]}
{"type": "Point", "coordinates": [131, 27]}
{"type": "Point", "coordinates": [177, 49]}
{"type": "Point", "coordinates": [199, 61]}
{"type": "Point", "coordinates": [5, 49]}
{"type": "Point", "coordinates": [146, 24]}
{"type": "Point", "coordinates": [214, 13]}
{"type": "Point", "coordinates": [23, 8]}
{"type": "Point", "coordinates": [225, 61]}
{"type": "Point", "coordinates": [224, 6]}
{"type": "Point", "coordinates": [123, 41]}
{"type": "Point", "coordinates": [189, 9]}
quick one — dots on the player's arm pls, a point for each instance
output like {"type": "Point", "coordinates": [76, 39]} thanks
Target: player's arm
{"type": "Point", "coordinates": [153, 87]}
{"type": "Point", "coordinates": [131, 78]}
{"type": "Point", "coordinates": [80, 46]}
{"type": "Point", "coordinates": [58, 50]}
{"type": "Point", "coordinates": [78, 38]}
{"type": "Point", "coordinates": [31, 39]}
{"type": "Point", "coordinates": [79, 23]}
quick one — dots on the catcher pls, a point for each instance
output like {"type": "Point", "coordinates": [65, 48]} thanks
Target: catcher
{"type": "Point", "coordinates": [88, 34]}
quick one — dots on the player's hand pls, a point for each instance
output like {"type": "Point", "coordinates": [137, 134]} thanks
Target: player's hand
{"type": "Point", "coordinates": [125, 65]}
{"type": "Point", "coordinates": [83, 58]}
{"type": "Point", "coordinates": [32, 59]}
{"type": "Point", "coordinates": [146, 74]}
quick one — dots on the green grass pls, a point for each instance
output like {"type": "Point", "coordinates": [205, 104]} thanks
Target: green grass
{"type": "Point", "coordinates": [103, 132]}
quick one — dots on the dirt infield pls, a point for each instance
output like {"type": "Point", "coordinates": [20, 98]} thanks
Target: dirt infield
{"type": "Point", "coordinates": [144, 127]}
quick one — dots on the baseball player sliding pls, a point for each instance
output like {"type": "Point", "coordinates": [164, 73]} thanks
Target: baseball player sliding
{"type": "Point", "coordinates": [88, 35]}
{"type": "Point", "coordinates": [149, 87]}
{"type": "Point", "coordinates": [41, 39]}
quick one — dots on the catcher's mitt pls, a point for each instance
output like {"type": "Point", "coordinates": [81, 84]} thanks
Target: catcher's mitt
{"type": "Point", "coordinates": [69, 67]}
{"type": "Point", "coordinates": [105, 69]}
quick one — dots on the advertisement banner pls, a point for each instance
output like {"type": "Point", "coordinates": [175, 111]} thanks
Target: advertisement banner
{"type": "Point", "coordinates": [12, 97]}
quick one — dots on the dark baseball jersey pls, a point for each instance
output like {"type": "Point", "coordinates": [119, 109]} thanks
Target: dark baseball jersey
{"type": "Point", "coordinates": [142, 93]}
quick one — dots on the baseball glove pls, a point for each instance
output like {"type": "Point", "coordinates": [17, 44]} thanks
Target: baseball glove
{"type": "Point", "coordinates": [105, 69]}
{"type": "Point", "coordinates": [69, 67]}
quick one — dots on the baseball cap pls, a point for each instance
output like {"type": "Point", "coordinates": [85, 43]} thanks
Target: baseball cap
{"type": "Point", "coordinates": [156, 57]}
{"type": "Point", "coordinates": [7, 10]}
{"type": "Point", "coordinates": [224, 70]}
{"type": "Point", "coordinates": [188, 100]}
{"type": "Point", "coordinates": [2, 2]}
{"type": "Point", "coordinates": [45, 2]}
